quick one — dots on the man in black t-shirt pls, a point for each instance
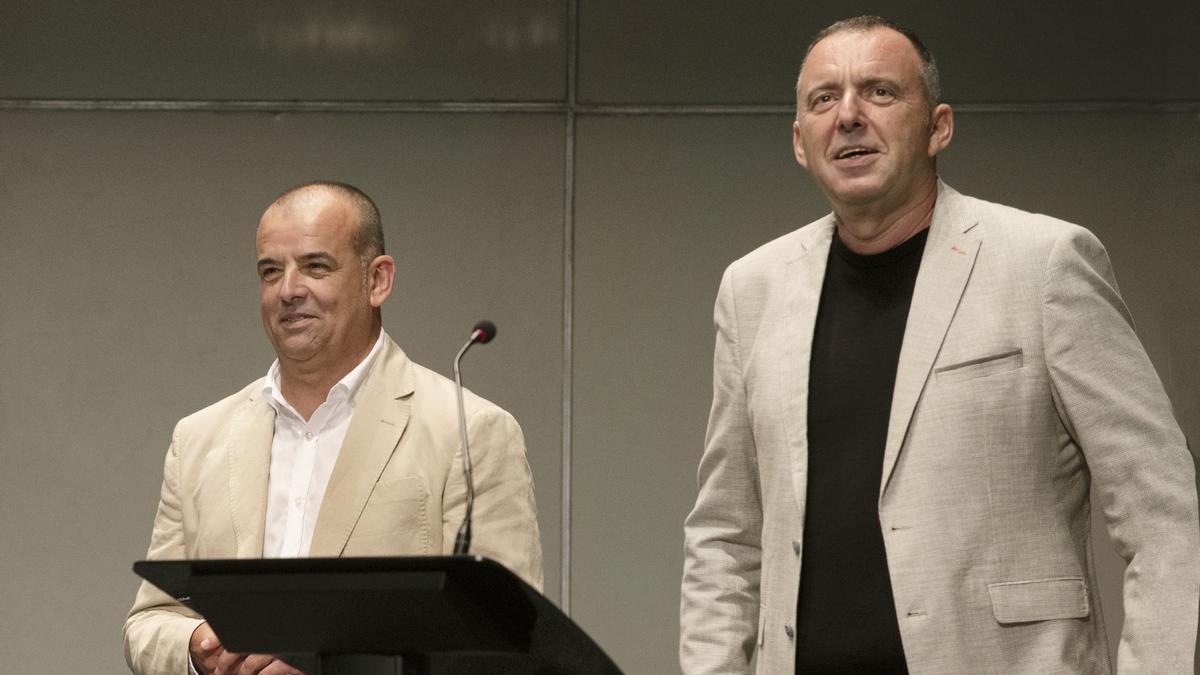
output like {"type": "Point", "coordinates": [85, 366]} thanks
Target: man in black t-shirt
{"type": "Point", "coordinates": [912, 398]}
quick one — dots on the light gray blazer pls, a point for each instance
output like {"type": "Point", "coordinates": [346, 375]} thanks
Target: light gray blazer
{"type": "Point", "coordinates": [1020, 386]}
{"type": "Point", "coordinates": [397, 488]}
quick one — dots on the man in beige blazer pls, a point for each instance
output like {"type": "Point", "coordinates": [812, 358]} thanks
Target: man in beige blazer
{"type": "Point", "coordinates": [394, 482]}
{"type": "Point", "coordinates": [1019, 385]}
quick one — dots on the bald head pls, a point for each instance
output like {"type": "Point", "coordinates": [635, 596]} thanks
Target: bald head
{"type": "Point", "coordinates": [367, 238]}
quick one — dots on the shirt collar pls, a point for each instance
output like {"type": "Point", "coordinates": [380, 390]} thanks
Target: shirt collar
{"type": "Point", "coordinates": [344, 390]}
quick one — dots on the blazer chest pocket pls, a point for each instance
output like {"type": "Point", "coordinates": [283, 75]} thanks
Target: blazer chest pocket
{"type": "Point", "coordinates": [1039, 600]}
{"type": "Point", "coordinates": [395, 519]}
{"type": "Point", "coordinates": [999, 362]}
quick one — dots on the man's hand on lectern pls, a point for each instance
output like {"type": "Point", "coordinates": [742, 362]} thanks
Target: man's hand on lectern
{"type": "Point", "coordinates": [210, 658]}
{"type": "Point", "coordinates": [205, 648]}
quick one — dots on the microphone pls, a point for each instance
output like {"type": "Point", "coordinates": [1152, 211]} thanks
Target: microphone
{"type": "Point", "coordinates": [482, 332]}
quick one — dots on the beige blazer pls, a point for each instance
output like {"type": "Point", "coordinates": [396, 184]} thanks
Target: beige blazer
{"type": "Point", "coordinates": [1020, 386]}
{"type": "Point", "coordinates": [397, 489]}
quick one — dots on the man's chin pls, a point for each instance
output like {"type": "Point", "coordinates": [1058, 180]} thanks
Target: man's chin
{"type": "Point", "coordinates": [856, 194]}
{"type": "Point", "coordinates": [296, 348]}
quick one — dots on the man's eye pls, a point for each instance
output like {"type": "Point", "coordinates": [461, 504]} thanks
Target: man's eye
{"type": "Point", "coordinates": [880, 92]}
{"type": "Point", "coordinates": [318, 268]}
{"type": "Point", "coordinates": [268, 273]}
{"type": "Point", "coordinates": [822, 101]}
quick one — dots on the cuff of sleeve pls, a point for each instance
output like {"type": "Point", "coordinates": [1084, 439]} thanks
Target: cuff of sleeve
{"type": "Point", "coordinates": [187, 652]}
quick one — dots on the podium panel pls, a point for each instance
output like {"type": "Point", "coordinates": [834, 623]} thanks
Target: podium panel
{"type": "Point", "coordinates": [368, 616]}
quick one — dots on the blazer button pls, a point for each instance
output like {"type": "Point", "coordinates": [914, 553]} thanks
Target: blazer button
{"type": "Point", "coordinates": [796, 546]}
{"type": "Point", "coordinates": [787, 628]}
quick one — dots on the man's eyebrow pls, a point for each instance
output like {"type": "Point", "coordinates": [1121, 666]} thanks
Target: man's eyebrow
{"type": "Point", "coordinates": [822, 85]}
{"type": "Point", "coordinates": [315, 256]}
{"type": "Point", "coordinates": [875, 81]}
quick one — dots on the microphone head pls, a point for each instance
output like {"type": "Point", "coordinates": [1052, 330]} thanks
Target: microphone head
{"type": "Point", "coordinates": [484, 331]}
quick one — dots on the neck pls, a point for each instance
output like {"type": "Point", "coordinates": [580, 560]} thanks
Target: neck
{"type": "Point", "coordinates": [306, 384]}
{"type": "Point", "coordinates": [867, 231]}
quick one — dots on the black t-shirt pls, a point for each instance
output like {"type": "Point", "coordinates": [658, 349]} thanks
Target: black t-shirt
{"type": "Point", "coordinates": [846, 615]}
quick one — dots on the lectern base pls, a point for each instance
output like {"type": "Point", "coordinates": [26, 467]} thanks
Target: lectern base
{"type": "Point", "coordinates": [418, 664]}
{"type": "Point", "coordinates": [358, 664]}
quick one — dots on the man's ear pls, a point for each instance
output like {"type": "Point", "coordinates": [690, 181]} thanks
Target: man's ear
{"type": "Point", "coordinates": [798, 146]}
{"type": "Point", "coordinates": [941, 129]}
{"type": "Point", "coordinates": [381, 273]}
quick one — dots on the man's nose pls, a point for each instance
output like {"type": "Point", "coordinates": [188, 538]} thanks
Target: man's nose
{"type": "Point", "coordinates": [292, 286]}
{"type": "Point", "coordinates": [849, 112]}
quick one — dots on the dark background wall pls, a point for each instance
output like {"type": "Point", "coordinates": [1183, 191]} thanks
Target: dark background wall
{"type": "Point", "coordinates": [600, 161]}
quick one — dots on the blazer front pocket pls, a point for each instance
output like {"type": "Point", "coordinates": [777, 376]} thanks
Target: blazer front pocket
{"type": "Point", "coordinates": [395, 520]}
{"type": "Point", "coordinates": [1039, 600]}
{"type": "Point", "coordinates": [1009, 359]}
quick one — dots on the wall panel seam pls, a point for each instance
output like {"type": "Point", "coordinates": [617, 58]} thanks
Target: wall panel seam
{"type": "Point", "coordinates": [569, 107]}
{"type": "Point", "coordinates": [568, 323]}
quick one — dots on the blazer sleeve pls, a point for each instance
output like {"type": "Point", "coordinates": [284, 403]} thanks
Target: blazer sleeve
{"type": "Point", "coordinates": [504, 523]}
{"type": "Point", "coordinates": [158, 628]}
{"type": "Point", "coordinates": [1115, 407]}
{"type": "Point", "coordinates": [719, 604]}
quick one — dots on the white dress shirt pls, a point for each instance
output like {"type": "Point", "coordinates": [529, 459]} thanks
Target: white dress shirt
{"type": "Point", "coordinates": [302, 457]}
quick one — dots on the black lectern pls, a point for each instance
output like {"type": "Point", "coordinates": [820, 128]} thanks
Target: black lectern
{"type": "Point", "coordinates": [377, 616]}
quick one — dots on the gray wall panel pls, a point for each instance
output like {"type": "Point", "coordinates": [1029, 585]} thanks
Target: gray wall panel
{"type": "Point", "coordinates": [359, 50]}
{"type": "Point", "coordinates": [707, 51]}
{"type": "Point", "coordinates": [130, 300]}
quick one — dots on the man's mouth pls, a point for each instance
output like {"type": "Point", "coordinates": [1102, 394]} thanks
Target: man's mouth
{"type": "Point", "coordinates": [290, 319]}
{"type": "Point", "coordinates": [854, 151]}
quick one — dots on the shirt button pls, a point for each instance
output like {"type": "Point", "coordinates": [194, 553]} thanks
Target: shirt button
{"type": "Point", "coordinates": [308, 435]}
{"type": "Point", "coordinates": [796, 546]}
{"type": "Point", "coordinates": [787, 628]}
{"type": "Point", "coordinates": [298, 501]}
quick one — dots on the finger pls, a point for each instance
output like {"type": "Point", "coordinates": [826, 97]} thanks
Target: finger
{"type": "Point", "coordinates": [204, 648]}
{"type": "Point", "coordinates": [203, 641]}
{"type": "Point", "coordinates": [209, 664]}
{"type": "Point", "coordinates": [228, 663]}
{"type": "Point", "coordinates": [254, 663]}
{"type": "Point", "coordinates": [279, 668]}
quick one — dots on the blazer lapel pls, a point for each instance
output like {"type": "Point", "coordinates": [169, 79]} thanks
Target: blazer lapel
{"type": "Point", "coordinates": [946, 266]}
{"type": "Point", "coordinates": [380, 415]}
{"type": "Point", "coordinates": [248, 456]}
{"type": "Point", "coordinates": [804, 276]}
